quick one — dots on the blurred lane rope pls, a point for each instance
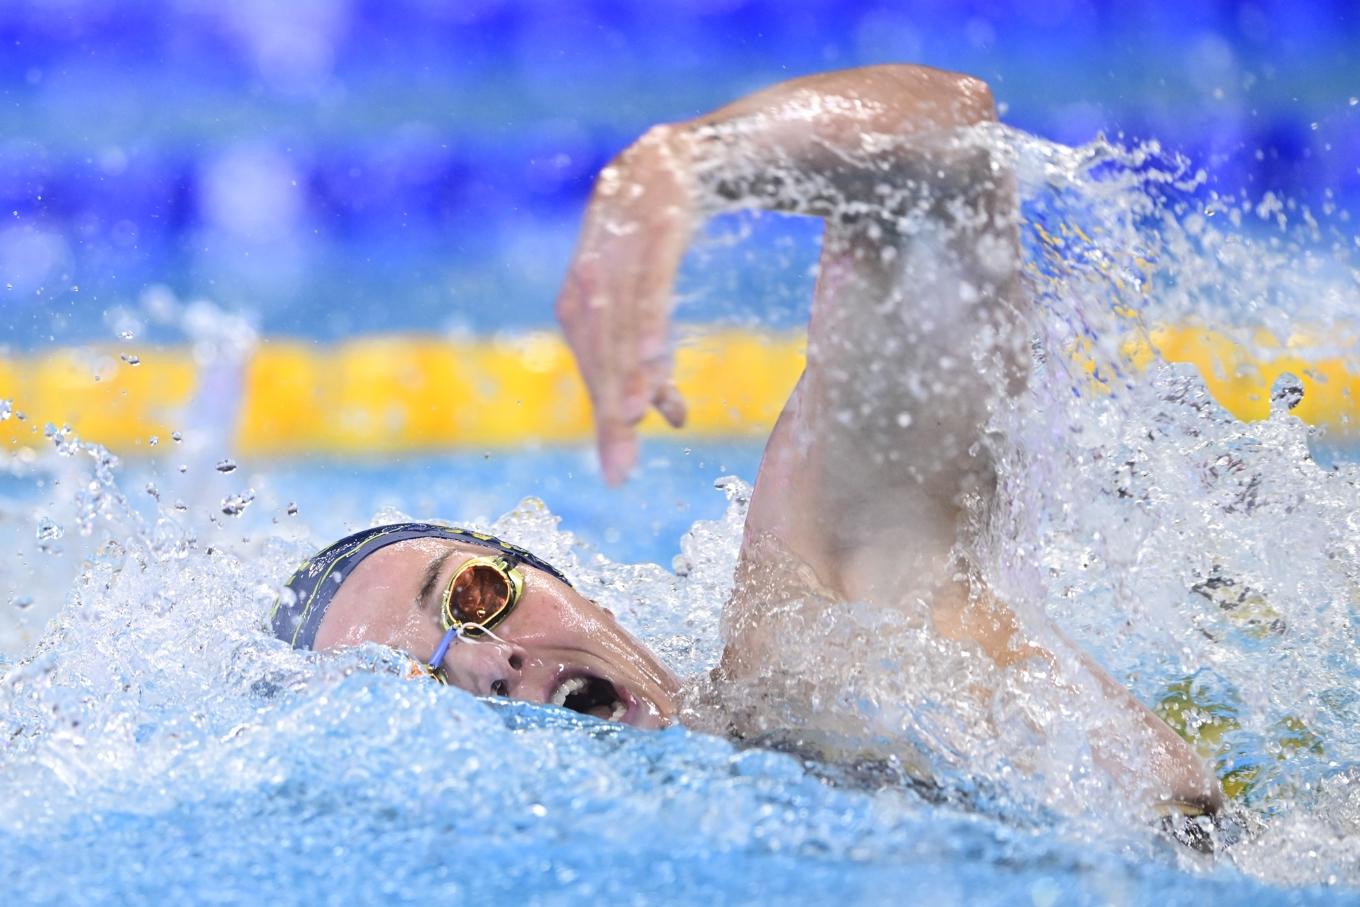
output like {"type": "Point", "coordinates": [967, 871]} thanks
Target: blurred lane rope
{"type": "Point", "coordinates": [393, 394]}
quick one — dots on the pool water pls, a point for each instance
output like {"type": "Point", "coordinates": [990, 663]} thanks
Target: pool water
{"type": "Point", "coordinates": [159, 745]}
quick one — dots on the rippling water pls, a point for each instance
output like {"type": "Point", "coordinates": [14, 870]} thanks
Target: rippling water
{"type": "Point", "coordinates": [158, 744]}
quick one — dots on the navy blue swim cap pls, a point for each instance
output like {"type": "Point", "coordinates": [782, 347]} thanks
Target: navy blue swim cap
{"type": "Point", "coordinates": [296, 618]}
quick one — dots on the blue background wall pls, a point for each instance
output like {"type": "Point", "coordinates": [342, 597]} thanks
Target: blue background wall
{"type": "Point", "coordinates": [342, 166]}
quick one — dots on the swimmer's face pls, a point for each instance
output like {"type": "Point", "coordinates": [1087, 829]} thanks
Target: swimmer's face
{"type": "Point", "coordinates": [555, 646]}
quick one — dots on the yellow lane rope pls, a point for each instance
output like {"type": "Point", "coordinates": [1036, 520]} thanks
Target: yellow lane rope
{"type": "Point", "coordinates": [390, 394]}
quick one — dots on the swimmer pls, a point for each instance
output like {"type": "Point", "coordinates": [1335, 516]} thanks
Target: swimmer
{"type": "Point", "coordinates": [877, 474]}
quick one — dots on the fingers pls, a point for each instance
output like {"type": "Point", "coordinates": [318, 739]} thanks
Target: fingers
{"type": "Point", "coordinates": [618, 450]}
{"type": "Point", "coordinates": [617, 431]}
{"type": "Point", "coordinates": [599, 339]}
{"type": "Point", "coordinates": [615, 303]}
{"type": "Point", "coordinates": [627, 372]}
{"type": "Point", "coordinates": [671, 405]}
{"type": "Point", "coordinates": [618, 439]}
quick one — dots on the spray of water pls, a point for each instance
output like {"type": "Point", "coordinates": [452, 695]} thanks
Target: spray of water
{"type": "Point", "coordinates": [1209, 564]}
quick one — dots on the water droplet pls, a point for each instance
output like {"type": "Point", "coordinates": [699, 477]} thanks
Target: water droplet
{"type": "Point", "coordinates": [48, 530]}
{"type": "Point", "coordinates": [126, 335]}
{"type": "Point", "coordinates": [130, 359]}
{"type": "Point", "coordinates": [22, 602]}
{"type": "Point", "coordinates": [226, 465]}
{"type": "Point", "coordinates": [292, 508]}
{"type": "Point", "coordinates": [176, 437]}
{"type": "Point", "coordinates": [235, 505]}
{"type": "Point", "coordinates": [152, 490]}
{"type": "Point", "coordinates": [1286, 393]}
{"type": "Point", "coordinates": [903, 419]}
{"type": "Point", "coordinates": [154, 440]}
{"type": "Point", "coordinates": [6, 410]}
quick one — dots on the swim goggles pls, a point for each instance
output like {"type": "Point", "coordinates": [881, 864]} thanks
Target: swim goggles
{"type": "Point", "coordinates": [481, 593]}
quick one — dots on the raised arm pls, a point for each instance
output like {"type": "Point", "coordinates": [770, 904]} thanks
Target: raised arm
{"type": "Point", "coordinates": [832, 145]}
{"type": "Point", "coordinates": [879, 471]}
{"type": "Point", "coordinates": [914, 330]}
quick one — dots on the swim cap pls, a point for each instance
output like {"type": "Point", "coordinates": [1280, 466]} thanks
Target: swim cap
{"type": "Point", "coordinates": [315, 583]}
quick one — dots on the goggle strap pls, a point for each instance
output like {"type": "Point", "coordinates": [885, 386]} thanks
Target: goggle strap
{"type": "Point", "coordinates": [437, 659]}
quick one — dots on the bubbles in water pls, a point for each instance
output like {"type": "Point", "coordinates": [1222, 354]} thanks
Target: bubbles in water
{"type": "Point", "coordinates": [226, 465]}
{"type": "Point", "coordinates": [131, 359]}
{"type": "Point", "coordinates": [6, 410]}
{"type": "Point", "coordinates": [22, 602]}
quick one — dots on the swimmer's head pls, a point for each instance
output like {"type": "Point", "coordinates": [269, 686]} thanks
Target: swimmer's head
{"type": "Point", "coordinates": [553, 645]}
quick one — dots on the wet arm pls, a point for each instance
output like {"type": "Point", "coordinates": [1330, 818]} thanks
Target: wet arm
{"type": "Point", "coordinates": [866, 143]}
{"type": "Point", "coordinates": [915, 332]}
{"type": "Point", "coordinates": [842, 145]}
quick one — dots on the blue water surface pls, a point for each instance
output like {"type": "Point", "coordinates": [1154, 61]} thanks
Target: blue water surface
{"type": "Point", "coordinates": [161, 747]}
{"type": "Point", "coordinates": [374, 789]}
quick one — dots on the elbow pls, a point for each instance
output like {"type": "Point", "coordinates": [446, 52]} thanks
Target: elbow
{"type": "Point", "coordinates": [968, 100]}
{"type": "Point", "coordinates": [977, 102]}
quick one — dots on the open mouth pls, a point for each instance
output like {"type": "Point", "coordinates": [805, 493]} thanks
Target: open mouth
{"type": "Point", "coordinates": [592, 696]}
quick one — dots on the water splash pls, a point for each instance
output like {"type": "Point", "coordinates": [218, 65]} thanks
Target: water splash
{"type": "Point", "coordinates": [1210, 564]}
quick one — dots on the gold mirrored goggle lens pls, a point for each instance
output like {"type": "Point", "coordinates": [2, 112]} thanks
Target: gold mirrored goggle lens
{"type": "Point", "coordinates": [482, 592]}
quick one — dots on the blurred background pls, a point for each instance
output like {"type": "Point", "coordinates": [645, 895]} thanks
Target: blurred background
{"type": "Point", "coordinates": [338, 167]}
{"type": "Point", "coordinates": [330, 173]}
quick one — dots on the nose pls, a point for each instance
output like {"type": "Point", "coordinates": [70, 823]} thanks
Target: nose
{"type": "Point", "coordinates": [487, 667]}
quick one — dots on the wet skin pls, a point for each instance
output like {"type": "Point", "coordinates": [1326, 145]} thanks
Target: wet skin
{"type": "Point", "coordinates": [880, 458]}
{"type": "Point", "coordinates": [555, 643]}
{"type": "Point", "coordinates": [880, 468]}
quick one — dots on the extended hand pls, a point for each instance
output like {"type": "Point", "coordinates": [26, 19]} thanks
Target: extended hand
{"type": "Point", "coordinates": [616, 299]}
